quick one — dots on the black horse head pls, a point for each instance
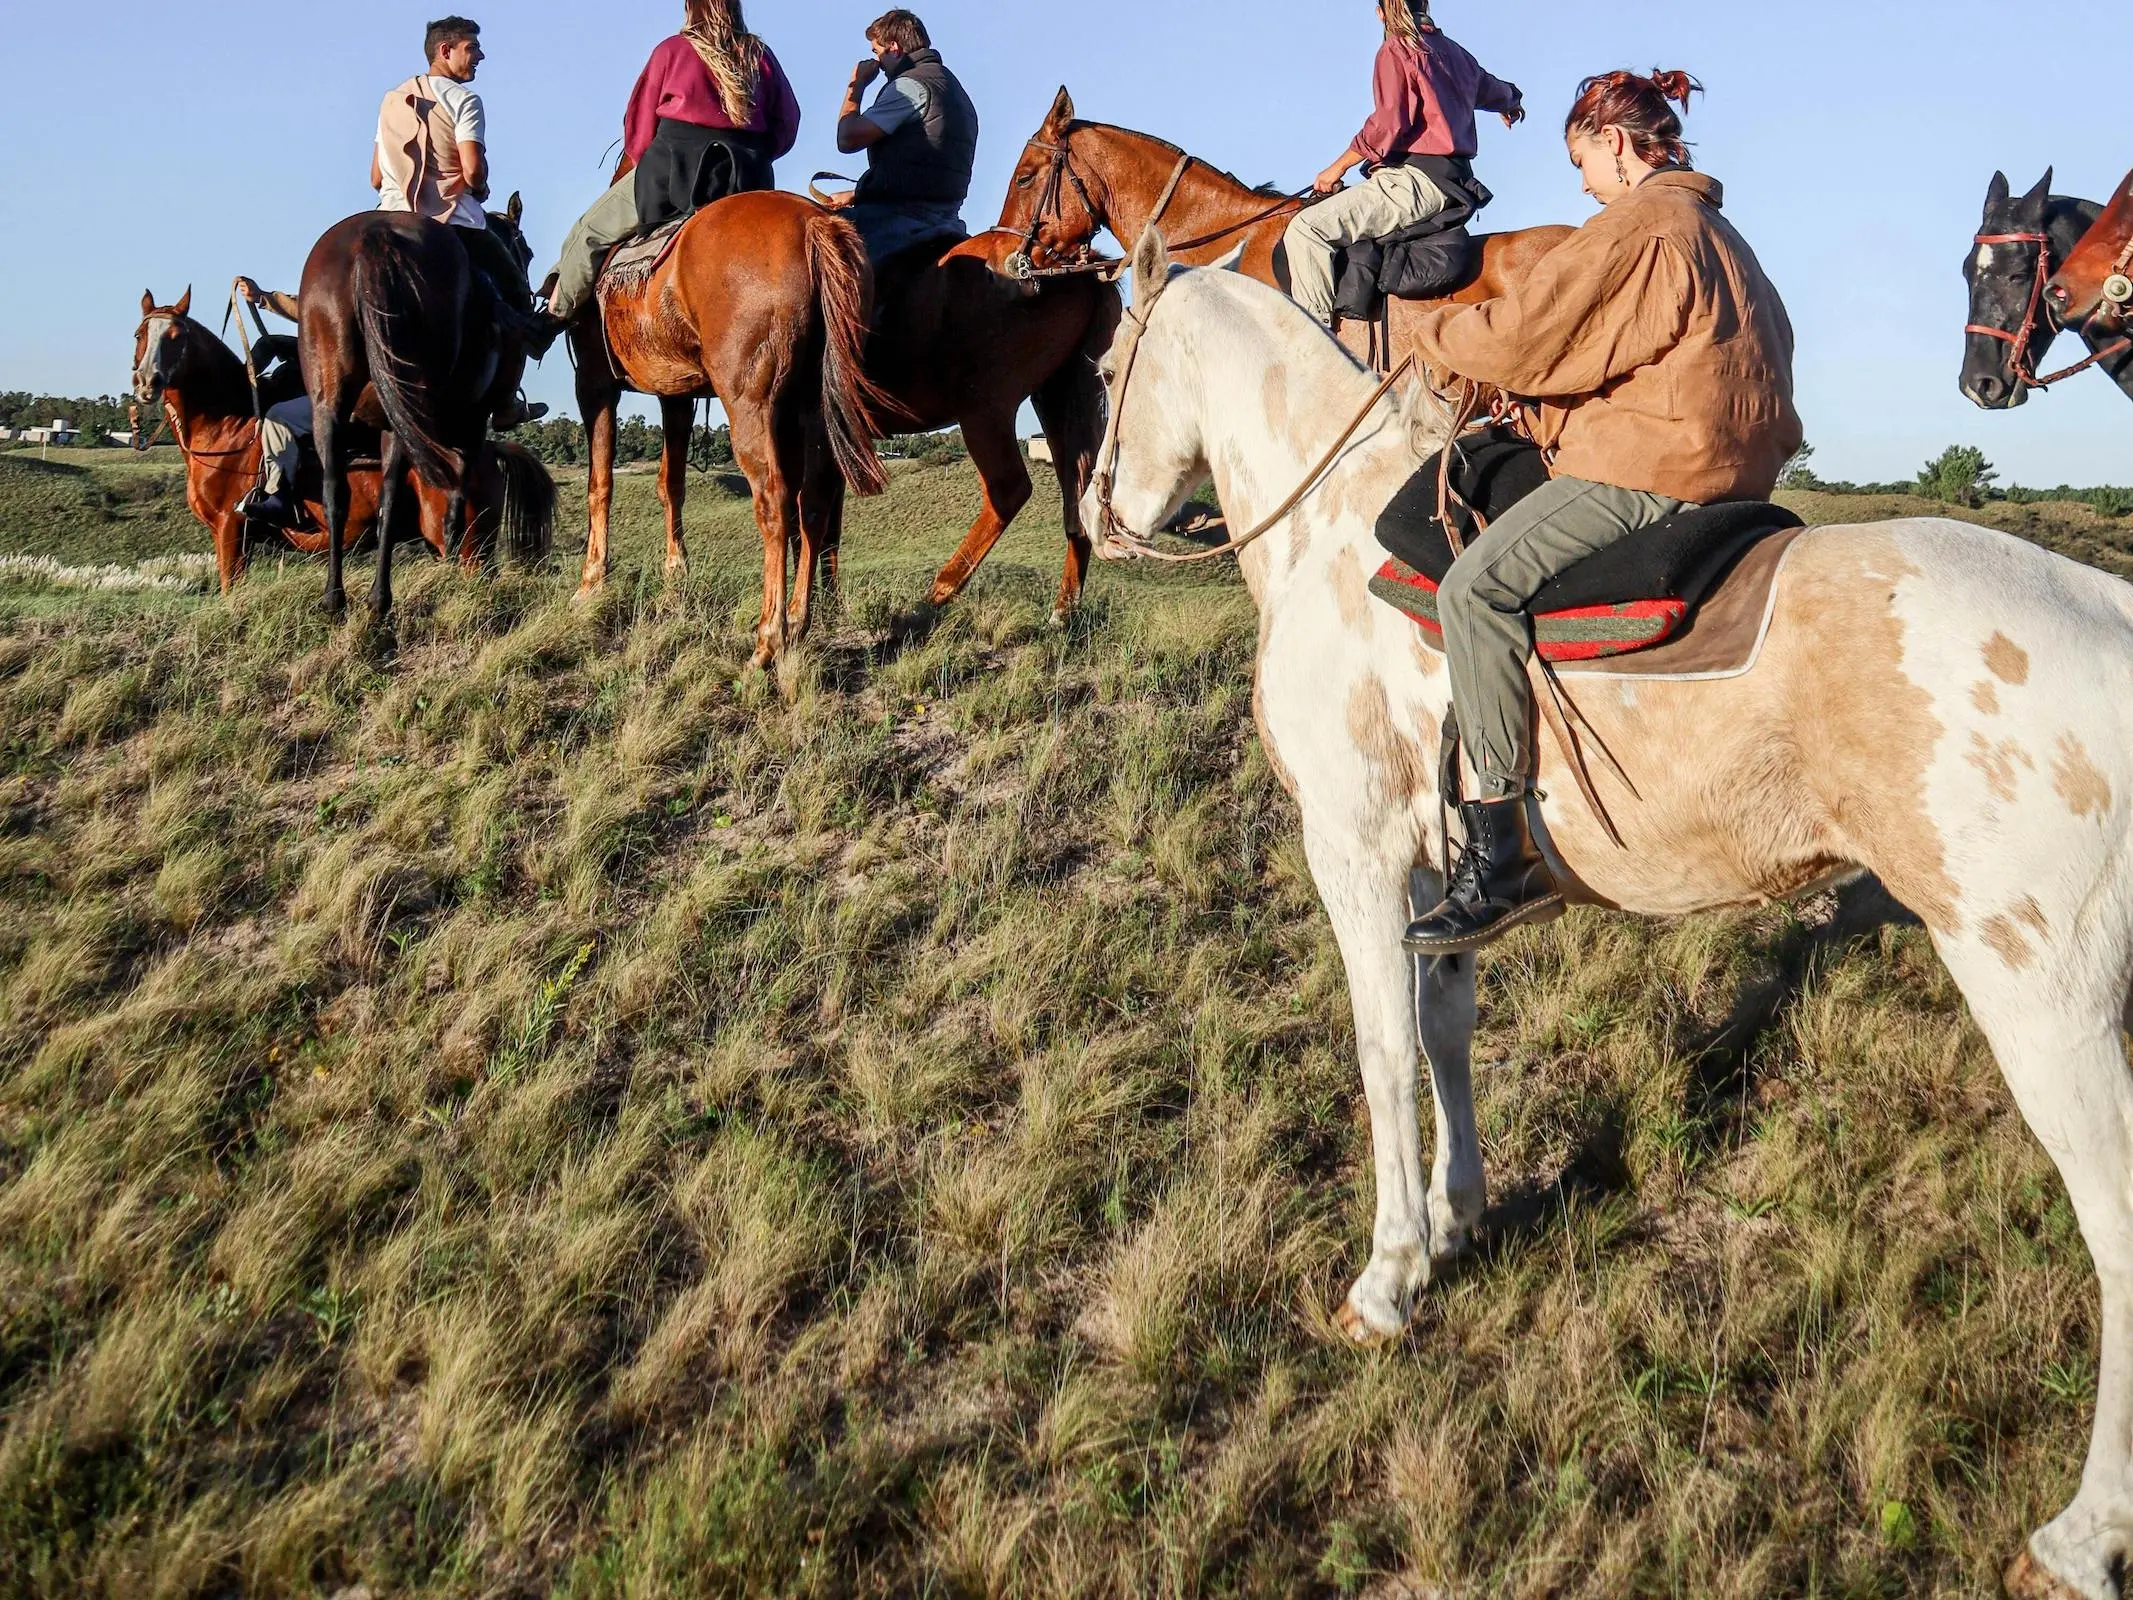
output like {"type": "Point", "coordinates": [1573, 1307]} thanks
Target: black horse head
{"type": "Point", "coordinates": [2019, 244]}
{"type": "Point", "coordinates": [505, 224]}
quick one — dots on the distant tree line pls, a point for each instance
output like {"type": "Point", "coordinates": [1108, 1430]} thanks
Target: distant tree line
{"type": "Point", "coordinates": [1959, 476]}
{"type": "Point", "coordinates": [560, 441]}
{"type": "Point", "coordinates": [21, 409]}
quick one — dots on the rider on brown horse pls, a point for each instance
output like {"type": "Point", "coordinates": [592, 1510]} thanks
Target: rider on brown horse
{"type": "Point", "coordinates": [1418, 148]}
{"type": "Point", "coordinates": [920, 136]}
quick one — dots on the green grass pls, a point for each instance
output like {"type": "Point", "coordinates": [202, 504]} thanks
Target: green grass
{"type": "Point", "coordinates": [547, 1110]}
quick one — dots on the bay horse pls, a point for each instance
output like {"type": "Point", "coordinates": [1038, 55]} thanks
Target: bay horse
{"type": "Point", "coordinates": [762, 302]}
{"type": "Point", "coordinates": [205, 396]}
{"type": "Point", "coordinates": [956, 341]}
{"type": "Point", "coordinates": [398, 332]}
{"type": "Point", "coordinates": [2091, 290]}
{"type": "Point", "coordinates": [1076, 179]}
{"type": "Point", "coordinates": [2014, 315]}
{"type": "Point", "coordinates": [1895, 659]}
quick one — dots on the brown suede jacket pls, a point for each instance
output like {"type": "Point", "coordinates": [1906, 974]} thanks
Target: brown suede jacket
{"type": "Point", "coordinates": [1658, 353]}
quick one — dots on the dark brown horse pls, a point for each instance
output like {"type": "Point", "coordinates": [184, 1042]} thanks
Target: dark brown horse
{"type": "Point", "coordinates": [1076, 179]}
{"type": "Point", "coordinates": [400, 333]}
{"type": "Point", "coordinates": [762, 302]}
{"type": "Point", "coordinates": [205, 396]}
{"type": "Point", "coordinates": [958, 342]}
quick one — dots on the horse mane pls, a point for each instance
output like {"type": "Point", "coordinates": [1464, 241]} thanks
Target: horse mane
{"type": "Point", "coordinates": [1268, 191]}
{"type": "Point", "coordinates": [224, 389]}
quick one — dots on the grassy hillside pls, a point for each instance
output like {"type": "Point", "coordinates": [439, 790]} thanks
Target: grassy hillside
{"type": "Point", "coordinates": [550, 1111]}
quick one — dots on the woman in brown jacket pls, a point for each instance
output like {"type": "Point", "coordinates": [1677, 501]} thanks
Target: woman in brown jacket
{"type": "Point", "coordinates": [1659, 361]}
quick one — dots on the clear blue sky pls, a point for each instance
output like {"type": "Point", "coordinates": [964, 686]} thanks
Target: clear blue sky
{"type": "Point", "coordinates": [181, 142]}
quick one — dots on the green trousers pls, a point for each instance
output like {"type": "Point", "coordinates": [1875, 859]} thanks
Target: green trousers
{"type": "Point", "coordinates": [612, 219]}
{"type": "Point", "coordinates": [1488, 634]}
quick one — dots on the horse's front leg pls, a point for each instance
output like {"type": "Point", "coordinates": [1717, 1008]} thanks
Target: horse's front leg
{"type": "Point", "coordinates": [1445, 1013]}
{"type": "Point", "coordinates": [1362, 878]}
{"type": "Point", "coordinates": [678, 421]}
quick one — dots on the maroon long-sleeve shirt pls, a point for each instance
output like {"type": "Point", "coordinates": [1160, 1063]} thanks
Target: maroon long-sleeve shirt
{"type": "Point", "coordinates": [677, 84]}
{"type": "Point", "coordinates": [1426, 99]}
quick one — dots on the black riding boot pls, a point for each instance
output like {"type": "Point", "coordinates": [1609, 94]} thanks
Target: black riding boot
{"type": "Point", "coordinates": [1501, 883]}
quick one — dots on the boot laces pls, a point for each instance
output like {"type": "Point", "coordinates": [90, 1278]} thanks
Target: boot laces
{"type": "Point", "coordinates": [1468, 875]}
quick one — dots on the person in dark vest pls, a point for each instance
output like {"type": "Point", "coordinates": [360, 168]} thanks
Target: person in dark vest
{"type": "Point", "coordinates": [920, 136]}
{"type": "Point", "coordinates": [1416, 147]}
{"type": "Point", "coordinates": [711, 112]}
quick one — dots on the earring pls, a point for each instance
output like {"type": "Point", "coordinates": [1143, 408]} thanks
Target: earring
{"type": "Point", "coordinates": [1621, 173]}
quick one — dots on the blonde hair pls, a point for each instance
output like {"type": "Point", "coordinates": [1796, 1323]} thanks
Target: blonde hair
{"type": "Point", "coordinates": [1406, 20]}
{"type": "Point", "coordinates": [731, 54]}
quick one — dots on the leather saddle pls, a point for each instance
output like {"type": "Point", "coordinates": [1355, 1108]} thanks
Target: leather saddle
{"type": "Point", "coordinates": [1633, 596]}
{"type": "Point", "coordinates": [630, 263]}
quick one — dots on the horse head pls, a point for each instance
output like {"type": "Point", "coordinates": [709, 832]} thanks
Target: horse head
{"type": "Point", "coordinates": [2091, 292]}
{"type": "Point", "coordinates": [164, 347]}
{"type": "Point", "coordinates": [1153, 456]}
{"type": "Point", "coordinates": [2009, 326]}
{"type": "Point", "coordinates": [1049, 201]}
{"type": "Point", "coordinates": [506, 225]}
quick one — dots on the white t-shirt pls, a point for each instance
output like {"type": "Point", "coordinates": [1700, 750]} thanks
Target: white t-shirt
{"type": "Point", "coordinates": [470, 125]}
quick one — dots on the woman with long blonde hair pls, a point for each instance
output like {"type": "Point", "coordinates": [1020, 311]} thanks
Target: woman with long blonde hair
{"type": "Point", "coordinates": [711, 111]}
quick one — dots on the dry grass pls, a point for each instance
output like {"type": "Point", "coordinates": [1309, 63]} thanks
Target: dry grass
{"type": "Point", "coordinates": [548, 1111]}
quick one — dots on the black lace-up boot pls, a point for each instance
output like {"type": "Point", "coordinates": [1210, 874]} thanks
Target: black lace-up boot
{"type": "Point", "coordinates": [1501, 883]}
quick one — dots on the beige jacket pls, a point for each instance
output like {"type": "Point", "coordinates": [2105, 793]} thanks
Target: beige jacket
{"type": "Point", "coordinates": [1660, 355]}
{"type": "Point", "coordinates": [418, 150]}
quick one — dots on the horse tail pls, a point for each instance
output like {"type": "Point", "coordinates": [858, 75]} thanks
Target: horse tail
{"type": "Point", "coordinates": [844, 289]}
{"type": "Point", "coordinates": [529, 504]}
{"type": "Point", "coordinates": [388, 296]}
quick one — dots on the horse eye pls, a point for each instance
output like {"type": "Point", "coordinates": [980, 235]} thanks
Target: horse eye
{"type": "Point", "coordinates": [1025, 180]}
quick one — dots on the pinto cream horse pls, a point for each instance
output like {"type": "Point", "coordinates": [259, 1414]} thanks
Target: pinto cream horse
{"type": "Point", "coordinates": [1939, 703]}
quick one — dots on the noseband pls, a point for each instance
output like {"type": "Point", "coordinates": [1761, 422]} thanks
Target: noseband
{"type": "Point", "coordinates": [2019, 359]}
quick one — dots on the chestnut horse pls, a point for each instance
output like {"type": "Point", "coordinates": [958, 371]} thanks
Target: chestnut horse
{"type": "Point", "coordinates": [1076, 179]}
{"type": "Point", "coordinates": [2092, 290]}
{"type": "Point", "coordinates": [206, 399]}
{"type": "Point", "coordinates": [762, 302]}
{"type": "Point", "coordinates": [399, 332]}
{"type": "Point", "coordinates": [2014, 317]}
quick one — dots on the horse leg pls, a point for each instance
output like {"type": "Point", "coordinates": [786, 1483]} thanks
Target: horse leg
{"type": "Point", "coordinates": [1363, 885]}
{"type": "Point", "coordinates": [2060, 1046]}
{"type": "Point", "coordinates": [755, 450]}
{"type": "Point", "coordinates": [325, 438]}
{"type": "Point", "coordinates": [229, 549]}
{"type": "Point", "coordinates": [678, 420]}
{"type": "Point", "coordinates": [1069, 405]}
{"type": "Point", "coordinates": [390, 471]}
{"type": "Point", "coordinates": [822, 508]}
{"type": "Point", "coordinates": [1444, 1018]}
{"type": "Point", "coordinates": [597, 398]}
{"type": "Point", "coordinates": [794, 454]}
{"type": "Point", "coordinates": [997, 454]}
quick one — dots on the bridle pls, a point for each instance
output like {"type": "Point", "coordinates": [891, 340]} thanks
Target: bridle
{"type": "Point", "coordinates": [168, 421]}
{"type": "Point", "coordinates": [1060, 171]}
{"type": "Point", "coordinates": [1113, 528]}
{"type": "Point", "coordinates": [2020, 361]}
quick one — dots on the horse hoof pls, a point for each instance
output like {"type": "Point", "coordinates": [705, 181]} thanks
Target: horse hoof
{"type": "Point", "coordinates": [677, 571]}
{"type": "Point", "coordinates": [1360, 1331]}
{"type": "Point", "coordinates": [2026, 1579]}
{"type": "Point", "coordinates": [587, 592]}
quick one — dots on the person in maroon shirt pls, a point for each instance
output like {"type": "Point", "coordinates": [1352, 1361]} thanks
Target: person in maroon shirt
{"type": "Point", "coordinates": [1427, 90]}
{"type": "Point", "coordinates": [711, 111]}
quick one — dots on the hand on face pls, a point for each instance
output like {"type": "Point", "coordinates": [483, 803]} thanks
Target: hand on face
{"type": "Point", "coordinates": [865, 73]}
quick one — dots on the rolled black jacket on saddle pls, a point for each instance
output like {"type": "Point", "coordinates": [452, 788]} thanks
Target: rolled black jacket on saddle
{"type": "Point", "coordinates": [687, 166]}
{"type": "Point", "coordinates": [1431, 258]}
{"type": "Point", "coordinates": [928, 160]}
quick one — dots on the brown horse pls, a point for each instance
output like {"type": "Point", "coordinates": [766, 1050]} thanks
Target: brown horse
{"type": "Point", "coordinates": [762, 302]}
{"type": "Point", "coordinates": [958, 342]}
{"type": "Point", "coordinates": [2092, 290]}
{"type": "Point", "coordinates": [205, 396]}
{"type": "Point", "coordinates": [399, 332]}
{"type": "Point", "coordinates": [1076, 179]}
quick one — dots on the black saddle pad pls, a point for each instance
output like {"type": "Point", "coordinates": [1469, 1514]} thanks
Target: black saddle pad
{"type": "Point", "coordinates": [1681, 558]}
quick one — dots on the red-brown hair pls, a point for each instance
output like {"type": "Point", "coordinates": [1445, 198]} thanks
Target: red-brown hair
{"type": "Point", "coordinates": [1638, 106]}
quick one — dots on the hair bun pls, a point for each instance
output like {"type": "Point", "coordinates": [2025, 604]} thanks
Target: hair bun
{"type": "Point", "coordinates": [1676, 86]}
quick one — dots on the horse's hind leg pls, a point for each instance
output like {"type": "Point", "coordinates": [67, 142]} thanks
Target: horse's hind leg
{"type": "Point", "coordinates": [391, 471]}
{"type": "Point", "coordinates": [597, 398]}
{"type": "Point", "coordinates": [2065, 1063]}
{"type": "Point", "coordinates": [325, 438]}
{"type": "Point", "coordinates": [755, 449]}
{"type": "Point", "coordinates": [678, 420]}
{"type": "Point", "coordinates": [997, 454]}
{"type": "Point", "coordinates": [1070, 404]}
{"type": "Point", "coordinates": [822, 508]}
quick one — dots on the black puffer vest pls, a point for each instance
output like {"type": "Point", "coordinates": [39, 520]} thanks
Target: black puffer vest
{"type": "Point", "coordinates": [928, 160]}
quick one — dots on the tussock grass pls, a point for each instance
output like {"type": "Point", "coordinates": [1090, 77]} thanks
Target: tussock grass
{"type": "Point", "coordinates": [531, 1106]}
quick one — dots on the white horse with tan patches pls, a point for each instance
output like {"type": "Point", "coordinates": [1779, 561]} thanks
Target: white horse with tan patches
{"type": "Point", "coordinates": [1944, 705]}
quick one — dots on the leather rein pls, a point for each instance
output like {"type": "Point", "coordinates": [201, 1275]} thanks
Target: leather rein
{"type": "Point", "coordinates": [2020, 360]}
{"type": "Point", "coordinates": [1060, 171]}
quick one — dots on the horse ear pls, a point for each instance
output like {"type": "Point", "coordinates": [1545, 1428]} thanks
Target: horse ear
{"type": "Point", "coordinates": [148, 301]}
{"type": "Point", "coordinates": [185, 301]}
{"type": "Point", "coordinates": [1062, 111]}
{"type": "Point", "coordinates": [2033, 202]}
{"type": "Point", "coordinates": [1151, 267]}
{"type": "Point", "coordinates": [514, 208]}
{"type": "Point", "coordinates": [2000, 192]}
{"type": "Point", "coordinates": [1233, 261]}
